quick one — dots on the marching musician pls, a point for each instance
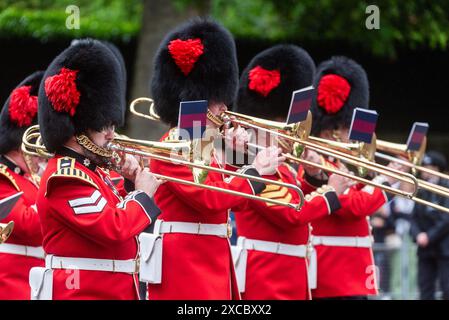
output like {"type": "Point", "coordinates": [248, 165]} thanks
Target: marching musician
{"type": "Point", "coordinates": [273, 240]}
{"type": "Point", "coordinates": [19, 173]}
{"type": "Point", "coordinates": [197, 61]}
{"type": "Point", "coordinates": [343, 241]}
{"type": "Point", "coordinates": [89, 227]}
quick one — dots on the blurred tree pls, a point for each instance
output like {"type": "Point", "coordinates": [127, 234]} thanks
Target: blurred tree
{"type": "Point", "coordinates": [159, 17]}
{"type": "Point", "coordinates": [46, 19]}
{"type": "Point", "coordinates": [410, 24]}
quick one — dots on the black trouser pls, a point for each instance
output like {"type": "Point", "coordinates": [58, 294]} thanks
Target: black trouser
{"type": "Point", "coordinates": [431, 269]}
{"type": "Point", "coordinates": [382, 259]}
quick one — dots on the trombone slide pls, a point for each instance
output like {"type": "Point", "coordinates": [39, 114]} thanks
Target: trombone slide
{"type": "Point", "coordinates": [134, 151]}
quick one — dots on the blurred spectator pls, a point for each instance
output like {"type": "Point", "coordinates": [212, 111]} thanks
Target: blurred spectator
{"type": "Point", "coordinates": [233, 239]}
{"type": "Point", "coordinates": [430, 230]}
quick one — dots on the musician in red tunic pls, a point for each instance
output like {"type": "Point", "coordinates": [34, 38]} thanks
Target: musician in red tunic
{"type": "Point", "coordinates": [273, 260]}
{"type": "Point", "coordinates": [197, 61]}
{"type": "Point", "coordinates": [89, 227]}
{"type": "Point", "coordinates": [343, 241]}
{"type": "Point", "coordinates": [19, 173]}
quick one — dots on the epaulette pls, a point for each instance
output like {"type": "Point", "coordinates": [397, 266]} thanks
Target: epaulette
{"type": "Point", "coordinates": [172, 135]}
{"type": "Point", "coordinates": [66, 169]}
{"type": "Point", "coordinates": [276, 192]}
{"type": "Point", "coordinates": [319, 192]}
{"type": "Point", "coordinates": [4, 172]}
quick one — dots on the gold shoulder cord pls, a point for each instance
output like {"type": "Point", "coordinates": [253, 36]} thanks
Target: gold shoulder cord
{"type": "Point", "coordinates": [214, 119]}
{"type": "Point", "coordinates": [66, 169]}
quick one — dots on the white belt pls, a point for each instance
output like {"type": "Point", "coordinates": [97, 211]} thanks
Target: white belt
{"type": "Point", "coordinates": [36, 252]}
{"type": "Point", "coordinates": [300, 251]}
{"type": "Point", "coordinates": [125, 266]}
{"type": "Point", "coordinates": [273, 247]}
{"type": "Point", "coordinates": [220, 230]}
{"type": "Point", "coordinates": [357, 242]}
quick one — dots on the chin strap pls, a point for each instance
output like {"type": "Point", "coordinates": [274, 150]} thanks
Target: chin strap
{"type": "Point", "coordinates": [35, 178]}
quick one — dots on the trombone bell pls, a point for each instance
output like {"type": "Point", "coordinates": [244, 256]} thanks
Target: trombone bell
{"type": "Point", "coordinates": [177, 149]}
{"type": "Point", "coordinates": [397, 149]}
{"type": "Point", "coordinates": [134, 147]}
{"type": "Point", "coordinates": [360, 150]}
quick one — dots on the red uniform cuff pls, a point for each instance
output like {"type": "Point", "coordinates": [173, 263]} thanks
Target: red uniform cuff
{"type": "Point", "coordinates": [147, 204]}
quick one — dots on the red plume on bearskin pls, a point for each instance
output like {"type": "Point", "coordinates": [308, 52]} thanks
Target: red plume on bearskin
{"type": "Point", "coordinates": [263, 81]}
{"type": "Point", "coordinates": [186, 53]}
{"type": "Point", "coordinates": [62, 92]}
{"type": "Point", "coordinates": [22, 106]}
{"type": "Point", "coordinates": [332, 92]}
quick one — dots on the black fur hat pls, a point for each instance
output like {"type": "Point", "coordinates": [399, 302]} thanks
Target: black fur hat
{"type": "Point", "coordinates": [267, 83]}
{"type": "Point", "coordinates": [195, 61]}
{"type": "Point", "coordinates": [341, 86]}
{"type": "Point", "coordinates": [82, 89]}
{"type": "Point", "coordinates": [116, 51]}
{"type": "Point", "coordinates": [19, 112]}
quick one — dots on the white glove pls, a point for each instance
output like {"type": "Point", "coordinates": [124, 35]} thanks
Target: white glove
{"type": "Point", "coordinates": [267, 161]}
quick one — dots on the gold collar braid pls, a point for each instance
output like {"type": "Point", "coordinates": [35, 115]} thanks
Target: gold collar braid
{"type": "Point", "coordinates": [215, 119]}
{"type": "Point", "coordinates": [84, 141]}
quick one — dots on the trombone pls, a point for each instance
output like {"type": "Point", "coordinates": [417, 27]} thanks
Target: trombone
{"type": "Point", "coordinates": [415, 158]}
{"type": "Point", "coordinates": [37, 147]}
{"type": "Point", "coordinates": [151, 113]}
{"type": "Point", "coordinates": [298, 133]}
{"type": "Point", "coordinates": [368, 151]}
{"type": "Point", "coordinates": [173, 152]}
{"type": "Point", "coordinates": [5, 231]}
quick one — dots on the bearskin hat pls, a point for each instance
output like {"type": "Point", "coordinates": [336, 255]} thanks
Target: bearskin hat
{"type": "Point", "coordinates": [120, 59]}
{"type": "Point", "coordinates": [82, 89]}
{"type": "Point", "coordinates": [341, 86]}
{"type": "Point", "coordinates": [267, 83]}
{"type": "Point", "coordinates": [19, 112]}
{"type": "Point", "coordinates": [195, 61]}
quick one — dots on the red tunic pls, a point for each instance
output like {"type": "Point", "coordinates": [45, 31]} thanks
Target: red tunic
{"type": "Point", "coordinates": [15, 268]}
{"type": "Point", "coordinates": [105, 228]}
{"type": "Point", "coordinates": [196, 266]}
{"type": "Point", "coordinates": [275, 276]}
{"type": "Point", "coordinates": [347, 271]}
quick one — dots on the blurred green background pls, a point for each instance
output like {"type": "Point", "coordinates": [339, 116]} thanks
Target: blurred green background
{"type": "Point", "coordinates": [409, 24]}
